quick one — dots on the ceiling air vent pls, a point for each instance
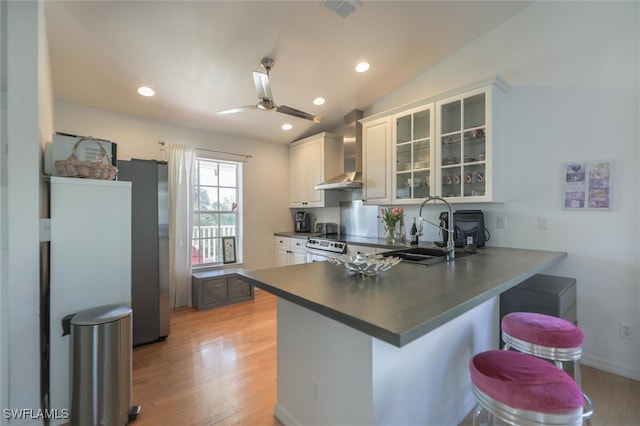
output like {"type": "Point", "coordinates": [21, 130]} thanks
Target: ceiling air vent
{"type": "Point", "coordinates": [342, 8]}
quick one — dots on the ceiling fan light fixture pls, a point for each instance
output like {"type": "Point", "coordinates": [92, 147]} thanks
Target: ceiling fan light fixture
{"type": "Point", "coordinates": [265, 104]}
{"type": "Point", "coordinates": [265, 99]}
{"type": "Point", "coordinates": [146, 91]}
{"type": "Point", "coordinates": [362, 66]}
{"type": "Point", "coordinates": [319, 101]}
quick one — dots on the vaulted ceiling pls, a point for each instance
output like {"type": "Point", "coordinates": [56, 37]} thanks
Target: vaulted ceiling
{"type": "Point", "coordinates": [199, 56]}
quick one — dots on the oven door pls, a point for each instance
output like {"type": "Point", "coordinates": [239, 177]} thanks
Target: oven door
{"type": "Point", "coordinates": [318, 255]}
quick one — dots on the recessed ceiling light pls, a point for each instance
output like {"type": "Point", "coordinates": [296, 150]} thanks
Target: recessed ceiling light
{"type": "Point", "coordinates": [319, 101]}
{"type": "Point", "coordinates": [146, 91]}
{"type": "Point", "coordinates": [287, 126]}
{"type": "Point", "coordinates": [362, 66]}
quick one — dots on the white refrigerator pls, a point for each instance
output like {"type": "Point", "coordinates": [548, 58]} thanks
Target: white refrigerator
{"type": "Point", "coordinates": [90, 262]}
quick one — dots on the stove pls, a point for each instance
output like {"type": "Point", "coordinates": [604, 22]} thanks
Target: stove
{"type": "Point", "coordinates": [326, 244]}
{"type": "Point", "coordinates": [321, 248]}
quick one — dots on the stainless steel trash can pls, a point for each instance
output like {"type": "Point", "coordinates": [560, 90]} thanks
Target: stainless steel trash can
{"type": "Point", "coordinates": [100, 368]}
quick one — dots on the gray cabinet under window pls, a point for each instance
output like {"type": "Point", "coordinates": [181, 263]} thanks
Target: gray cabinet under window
{"type": "Point", "coordinates": [211, 289]}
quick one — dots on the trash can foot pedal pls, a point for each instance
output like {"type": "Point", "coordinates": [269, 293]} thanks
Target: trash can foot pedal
{"type": "Point", "coordinates": [133, 413]}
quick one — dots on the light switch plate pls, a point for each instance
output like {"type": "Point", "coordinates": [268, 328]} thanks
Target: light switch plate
{"type": "Point", "coordinates": [501, 222]}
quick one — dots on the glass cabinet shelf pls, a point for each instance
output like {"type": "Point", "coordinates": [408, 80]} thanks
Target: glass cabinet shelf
{"type": "Point", "coordinates": [413, 154]}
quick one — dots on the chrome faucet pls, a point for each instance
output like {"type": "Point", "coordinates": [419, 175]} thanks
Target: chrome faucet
{"type": "Point", "coordinates": [450, 249]}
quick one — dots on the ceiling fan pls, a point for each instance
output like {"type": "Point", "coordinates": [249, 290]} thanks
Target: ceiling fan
{"type": "Point", "coordinates": [266, 103]}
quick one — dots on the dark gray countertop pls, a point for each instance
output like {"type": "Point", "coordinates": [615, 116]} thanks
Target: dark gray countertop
{"type": "Point", "coordinates": [408, 301]}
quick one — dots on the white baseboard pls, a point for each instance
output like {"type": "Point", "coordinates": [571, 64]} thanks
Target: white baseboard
{"type": "Point", "coordinates": [610, 367]}
{"type": "Point", "coordinates": [285, 417]}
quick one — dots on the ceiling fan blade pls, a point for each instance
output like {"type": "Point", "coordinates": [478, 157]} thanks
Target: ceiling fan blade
{"type": "Point", "coordinates": [235, 110]}
{"type": "Point", "coordinates": [263, 88]}
{"type": "Point", "coordinates": [297, 113]}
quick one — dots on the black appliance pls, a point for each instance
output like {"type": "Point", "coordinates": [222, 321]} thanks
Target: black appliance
{"type": "Point", "coordinates": [303, 222]}
{"type": "Point", "coordinates": [149, 248]}
{"type": "Point", "coordinates": [466, 223]}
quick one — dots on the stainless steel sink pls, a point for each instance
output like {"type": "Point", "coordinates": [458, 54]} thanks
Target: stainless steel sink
{"type": "Point", "coordinates": [422, 255]}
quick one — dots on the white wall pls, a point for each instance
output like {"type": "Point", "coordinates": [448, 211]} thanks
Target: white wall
{"type": "Point", "coordinates": [573, 68]}
{"type": "Point", "coordinates": [26, 115]}
{"type": "Point", "coordinates": [265, 180]}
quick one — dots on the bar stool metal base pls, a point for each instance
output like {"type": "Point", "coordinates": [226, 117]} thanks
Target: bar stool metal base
{"type": "Point", "coordinates": [523, 390]}
{"type": "Point", "coordinates": [518, 417]}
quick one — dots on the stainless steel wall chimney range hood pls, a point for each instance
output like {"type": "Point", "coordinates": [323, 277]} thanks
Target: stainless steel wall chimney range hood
{"type": "Point", "coordinates": [352, 139]}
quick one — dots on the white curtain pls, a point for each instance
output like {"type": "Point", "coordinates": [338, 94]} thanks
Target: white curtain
{"type": "Point", "coordinates": [181, 161]}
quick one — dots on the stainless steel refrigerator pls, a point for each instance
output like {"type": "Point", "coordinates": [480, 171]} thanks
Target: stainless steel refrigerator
{"type": "Point", "coordinates": [149, 248]}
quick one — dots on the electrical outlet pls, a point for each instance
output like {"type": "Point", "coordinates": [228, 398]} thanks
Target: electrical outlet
{"type": "Point", "coordinates": [501, 222]}
{"type": "Point", "coordinates": [626, 332]}
{"type": "Point", "coordinates": [543, 223]}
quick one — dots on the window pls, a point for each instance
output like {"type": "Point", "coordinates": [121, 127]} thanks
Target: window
{"type": "Point", "coordinates": [216, 210]}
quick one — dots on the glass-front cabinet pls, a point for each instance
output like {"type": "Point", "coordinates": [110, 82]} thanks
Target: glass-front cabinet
{"type": "Point", "coordinates": [413, 154]}
{"type": "Point", "coordinates": [449, 145]}
{"type": "Point", "coordinates": [463, 146]}
{"type": "Point", "coordinates": [466, 140]}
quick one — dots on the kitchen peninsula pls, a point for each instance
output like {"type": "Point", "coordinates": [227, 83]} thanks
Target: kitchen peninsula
{"type": "Point", "coordinates": [389, 349]}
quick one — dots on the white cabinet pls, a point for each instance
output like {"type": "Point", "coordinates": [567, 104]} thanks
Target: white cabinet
{"type": "Point", "coordinates": [311, 161]}
{"type": "Point", "coordinates": [289, 251]}
{"type": "Point", "coordinates": [413, 156]}
{"type": "Point", "coordinates": [282, 252]}
{"type": "Point", "coordinates": [376, 160]}
{"type": "Point", "coordinates": [353, 249]}
{"type": "Point", "coordinates": [90, 261]}
{"type": "Point", "coordinates": [468, 154]}
{"type": "Point", "coordinates": [448, 145]}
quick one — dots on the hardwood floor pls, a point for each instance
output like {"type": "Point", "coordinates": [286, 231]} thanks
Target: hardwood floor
{"type": "Point", "coordinates": [218, 367]}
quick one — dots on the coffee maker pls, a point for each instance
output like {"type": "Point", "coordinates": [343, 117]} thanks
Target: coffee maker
{"type": "Point", "coordinates": [303, 222]}
{"type": "Point", "coordinates": [466, 223]}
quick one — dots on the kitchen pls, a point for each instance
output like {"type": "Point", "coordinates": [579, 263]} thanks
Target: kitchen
{"type": "Point", "coordinates": [558, 81]}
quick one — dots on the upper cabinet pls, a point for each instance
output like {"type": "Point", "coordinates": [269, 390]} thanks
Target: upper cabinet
{"type": "Point", "coordinates": [413, 154]}
{"type": "Point", "coordinates": [469, 155]}
{"type": "Point", "coordinates": [448, 146]}
{"type": "Point", "coordinates": [376, 161]}
{"type": "Point", "coordinates": [311, 161]}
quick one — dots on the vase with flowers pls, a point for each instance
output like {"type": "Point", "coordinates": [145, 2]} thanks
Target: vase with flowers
{"type": "Point", "coordinates": [390, 218]}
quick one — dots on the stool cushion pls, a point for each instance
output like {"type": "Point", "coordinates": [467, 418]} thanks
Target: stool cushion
{"type": "Point", "coordinates": [543, 330]}
{"type": "Point", "coordinates": [525, 382]}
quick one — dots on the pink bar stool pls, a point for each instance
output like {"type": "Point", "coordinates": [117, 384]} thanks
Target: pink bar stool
{"type": "Point", "coordinates": [547, 337]}
{"type": "Point", "coordinates": [523, 390]}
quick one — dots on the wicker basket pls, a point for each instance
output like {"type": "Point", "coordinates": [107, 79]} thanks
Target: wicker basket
{"type": "Point", "coordinates": [97, 168]}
